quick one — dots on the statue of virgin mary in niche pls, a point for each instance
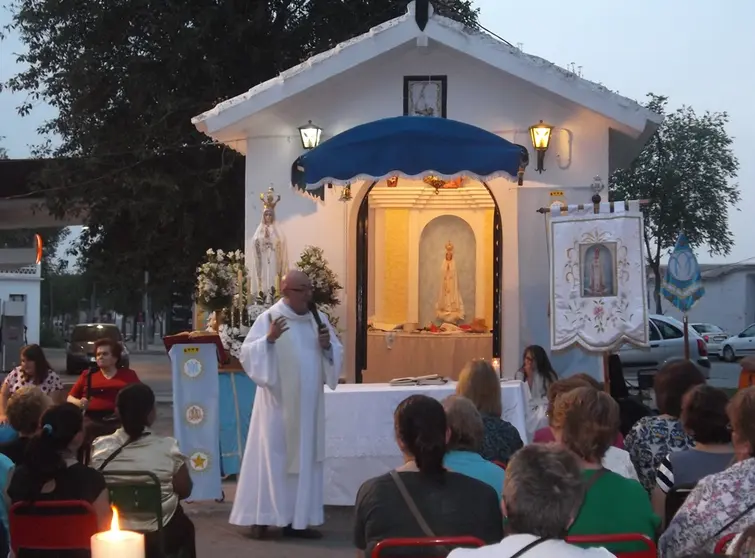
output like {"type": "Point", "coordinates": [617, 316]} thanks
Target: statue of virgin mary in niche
{"type": "Point", "coordinates": [269, 253]}
{"type": "Point", "coordinates": [450, 307]}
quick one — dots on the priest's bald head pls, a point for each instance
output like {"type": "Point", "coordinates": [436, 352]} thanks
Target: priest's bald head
{"type": "Point", "coordinates": [296, 289]}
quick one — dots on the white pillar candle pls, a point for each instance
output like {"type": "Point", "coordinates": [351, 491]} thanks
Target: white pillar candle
{"type": "Point", "coordinates": [496, 363]}
{"type": "Point", "coordinates": [123, 544]}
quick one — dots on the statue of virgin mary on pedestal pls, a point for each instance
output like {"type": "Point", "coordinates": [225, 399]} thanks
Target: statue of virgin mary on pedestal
{"type": "Point", "coordinates": [269, 262]}
{"type": "Point", "coordinates": [450, 306]}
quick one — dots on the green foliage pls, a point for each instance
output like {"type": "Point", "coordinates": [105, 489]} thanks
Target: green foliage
{"type": "Point", "coordinates": [125, 79]}
{"type": "Point", "coordinates": [685, 171]}
{"type": "Point", "coordinates": [64, 294]}
{"type": "Point", "coordinates": [50, 337]}
{"type": "Point", "coordinates": [325, 285]}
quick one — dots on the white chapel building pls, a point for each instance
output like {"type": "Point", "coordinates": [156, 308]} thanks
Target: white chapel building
{"type": "Point", "coordinates": [387, 239]}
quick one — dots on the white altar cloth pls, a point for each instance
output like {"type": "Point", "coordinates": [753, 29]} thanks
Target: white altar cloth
{"type": "Point", "coordinates": [360, 442]}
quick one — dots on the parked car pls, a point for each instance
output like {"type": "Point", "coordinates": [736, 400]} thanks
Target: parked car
{"type": "Point", "coordinates": [80, 346]}
{"type": "Point", "coordinates": [713, 336]}
{"type": "Point", "coordinates": [739, 345]}
{"type": "Point", "coordinates": [666, 336]}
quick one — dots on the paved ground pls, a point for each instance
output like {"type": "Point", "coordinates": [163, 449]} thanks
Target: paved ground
{"type": "Point", "coordinates": [215, 537]}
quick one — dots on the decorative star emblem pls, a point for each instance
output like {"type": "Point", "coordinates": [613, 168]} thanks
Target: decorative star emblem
{"type": "Point", "coordinates": [199, 461]}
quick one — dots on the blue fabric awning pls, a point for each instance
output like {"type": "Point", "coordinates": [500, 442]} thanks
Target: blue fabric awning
{"type": "Point", "coordinates": [410, 147]}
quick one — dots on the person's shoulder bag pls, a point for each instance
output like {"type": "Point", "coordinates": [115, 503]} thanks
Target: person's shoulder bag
{"type": "Point", "coordinates": [118, 451]}
{"type": "Point", "coordinates": [412, 505]}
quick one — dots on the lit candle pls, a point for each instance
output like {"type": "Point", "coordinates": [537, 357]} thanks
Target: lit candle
{"type": "Point", "coordinates": [496, 363]}
{"type": "Point", "coordinates": [123, 544]}
{"type": "Point", "coordinates": [241, 289]}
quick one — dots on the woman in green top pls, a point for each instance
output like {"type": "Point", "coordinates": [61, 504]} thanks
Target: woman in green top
{"type": "Point", "coordinates": [586, 421]}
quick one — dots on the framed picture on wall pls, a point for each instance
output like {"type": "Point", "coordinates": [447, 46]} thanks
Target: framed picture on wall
{"type": "Point", "coordinates": [425, 96]}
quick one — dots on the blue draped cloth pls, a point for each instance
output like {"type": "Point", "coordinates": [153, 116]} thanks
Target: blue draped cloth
{"type": "Point", "coordinates": [683, 283]}
{"type": "Point", "coordinates": [409, 147]}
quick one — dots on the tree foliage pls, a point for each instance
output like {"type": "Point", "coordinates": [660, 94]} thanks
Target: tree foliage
{"type": "Point", "coordinates": [126, 77]}
{"type": "Point", "coordinates": [686, 171]}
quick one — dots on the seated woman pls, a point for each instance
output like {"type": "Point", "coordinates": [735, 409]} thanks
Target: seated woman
{"type": "Point", "coordinates": [95, 392]}
{"type": "Point", "coordinates": [614, 459]}
{"type": "Point", "coordinates": [465, 443]}
{"type": "Point", "coordinates": [724, 502]}
{"type": "Point", "coordinates": [704, 419]}
{"type": "Point", "coordinates": [24, 411]}
{"type": "Point", "coordinates": [538, 373]}
{"type": "Point", "coordinates": [654, 437]}
{"type": "Point", "coordinates": [479, 383]}
{"type": "Point", "coordinates": [134, 448]}
{"type": "Point", "coordinates": [545, 434]}
{"type": "Point", "coordinates": [585, 421]}
{"type": "Point", "coordinates": [34, 370]}
{"type": "Point", "coordinates": [451, 504]}
{"type": "Point", "coordinates": [51, 471]}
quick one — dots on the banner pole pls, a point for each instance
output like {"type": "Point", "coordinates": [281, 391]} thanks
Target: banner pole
{"type": "Point", "coordinates": [583, 206]}
{"type": "Point", "coordinates": [685, 321]}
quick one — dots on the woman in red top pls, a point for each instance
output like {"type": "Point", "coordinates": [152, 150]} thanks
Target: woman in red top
{"type": "Point", "coordinates": [96, 391]}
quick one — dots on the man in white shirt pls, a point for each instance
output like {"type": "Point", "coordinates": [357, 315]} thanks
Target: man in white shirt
{"type": "Point", "coordinates": [542, 494]}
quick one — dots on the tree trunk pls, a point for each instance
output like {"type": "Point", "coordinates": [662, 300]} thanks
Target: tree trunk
{"type": "Point", "coordinates": [657, 287]}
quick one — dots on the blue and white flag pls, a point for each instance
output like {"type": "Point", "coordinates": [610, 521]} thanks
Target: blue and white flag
{"type": "Point", "coordinates": [683, 284]}
{"type": "Point", "coordinates": [195, 415]}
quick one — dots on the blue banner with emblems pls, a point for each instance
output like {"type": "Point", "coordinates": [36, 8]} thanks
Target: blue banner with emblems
{"type": "Point", "coordinates": [195, 415]}
{"type": "Point", "coordinates": [683, 284]}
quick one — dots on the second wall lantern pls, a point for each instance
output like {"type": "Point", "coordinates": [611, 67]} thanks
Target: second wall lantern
{"type": "Point", "coordinates": [541, 138]}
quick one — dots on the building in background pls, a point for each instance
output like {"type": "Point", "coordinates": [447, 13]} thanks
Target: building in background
{"type": "Point", "coordinates": [729, 300]}
{"type": "Point", "coordinates": [20, 298]}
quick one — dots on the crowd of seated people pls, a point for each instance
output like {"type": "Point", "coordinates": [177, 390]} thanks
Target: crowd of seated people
{"type": "Point", "coordinates": [564, 486]}
{"type": "Point", "coordinates": [48, 458]}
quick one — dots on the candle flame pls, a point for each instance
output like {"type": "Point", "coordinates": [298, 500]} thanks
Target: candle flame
{"type": "Point", "coordinates": [114, 523]}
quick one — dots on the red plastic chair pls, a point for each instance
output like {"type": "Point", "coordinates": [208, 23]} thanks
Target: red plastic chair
{"type": "Point", "coordinates": [650, 552]}
{"type": "Point", "coordinates": [425, 542]}
{"type": "Point", "coordinates": [501, 464]}
{"type": "Point", "coordinates": [51, 525]}
{"type": "Point", "coordinates": [723, 543]}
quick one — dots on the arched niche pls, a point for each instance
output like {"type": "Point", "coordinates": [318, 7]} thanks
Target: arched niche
{"type": "Point", "coordinates": [432, 250]}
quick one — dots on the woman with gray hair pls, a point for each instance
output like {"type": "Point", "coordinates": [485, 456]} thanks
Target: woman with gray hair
{"type": "Point", "coordinates": [465, 443]}
{"type": "Point", "coordinates": [541, 497]}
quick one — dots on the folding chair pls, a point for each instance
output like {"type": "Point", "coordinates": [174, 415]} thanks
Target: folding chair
{"type": "Point", "coordinates": [52, 525]}
{"type": "Point", "coordinates": [674, 500]}
{"type": "Point", "coordinates": [722, 546]}
{"type": "Point", "coordinates": [424, 542]}
{"type": "Point", "coordinates": [139, 496]}
{"type": "Point", "coordinates": [650, 552]}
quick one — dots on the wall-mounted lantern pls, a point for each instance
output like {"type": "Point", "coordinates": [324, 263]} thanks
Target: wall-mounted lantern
{"type": "Point", "coordinates": [541, 138]}
{"type": "Point", "coordinates": [310, 135]}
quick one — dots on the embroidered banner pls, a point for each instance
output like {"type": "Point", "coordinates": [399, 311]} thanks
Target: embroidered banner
{"type": "Point", "coordinates": [683, 284]}
{"type": "Point", "coordinates": [195, 415]}
{"type": "Point", "coordinates": [598, 287]}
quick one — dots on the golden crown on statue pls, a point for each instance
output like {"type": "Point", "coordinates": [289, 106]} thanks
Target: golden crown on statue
{"type": "Point", "coordinates": [269, 201]}
{"type": "Point", "coordinates": [449, 247]}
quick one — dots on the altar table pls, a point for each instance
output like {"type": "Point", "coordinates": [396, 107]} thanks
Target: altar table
{"type": "Point", "coordinates": [398, 354]}
{"type": "Point", "coordinates": [360, 441]}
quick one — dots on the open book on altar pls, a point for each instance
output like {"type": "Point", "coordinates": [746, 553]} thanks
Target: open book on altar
{"type": "Point", "coordinates": [429, 380]}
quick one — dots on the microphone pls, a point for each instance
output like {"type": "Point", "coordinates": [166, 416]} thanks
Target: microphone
{"type": "Point", "coordinates": [316, 315]}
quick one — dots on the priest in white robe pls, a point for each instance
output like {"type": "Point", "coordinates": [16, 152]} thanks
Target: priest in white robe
{"type": "Point", "coordinates": [290, 356]}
